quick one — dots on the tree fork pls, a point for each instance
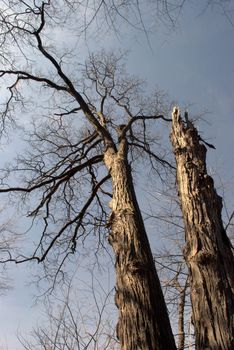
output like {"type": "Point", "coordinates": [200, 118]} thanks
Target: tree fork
{"type": "Point", "coordinates": [143, 318]}
{"type": "Point", "coordinates": [208, 251]}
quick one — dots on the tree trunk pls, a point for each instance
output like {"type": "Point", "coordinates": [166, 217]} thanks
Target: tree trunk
{"type": "Point", "coordinates": [181, 311]}
{"type": "Point", "coordinates": [208, 251]}
{"type": "Point", "coordinates": [143, 319]}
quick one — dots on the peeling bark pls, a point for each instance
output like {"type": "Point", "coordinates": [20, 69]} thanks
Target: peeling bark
{"type": "Point", "coordinates": [143, 318]}
{"type": "Point", "coordinates": [208, 251]}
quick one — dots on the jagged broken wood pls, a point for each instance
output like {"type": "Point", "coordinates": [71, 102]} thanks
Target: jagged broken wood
{"type": "Point", "coordinates": [208, 251]}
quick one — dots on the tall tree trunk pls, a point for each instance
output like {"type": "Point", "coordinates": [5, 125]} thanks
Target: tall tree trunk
{"type": "Point", "coordinates": [208, 251]}
{"type": "Point", "coordinates": [143, 319]}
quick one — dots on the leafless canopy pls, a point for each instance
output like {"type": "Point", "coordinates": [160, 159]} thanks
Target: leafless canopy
{"type": "Point", "coordinates": [69, 323]}
{"type": "Point", "coordinates": [78, 112]}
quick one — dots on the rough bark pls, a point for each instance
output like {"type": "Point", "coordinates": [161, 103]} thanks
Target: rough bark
{"type": "Point", "coordinates": [208, 251]}
{"type": "Point", "coordinates": [143, 318]}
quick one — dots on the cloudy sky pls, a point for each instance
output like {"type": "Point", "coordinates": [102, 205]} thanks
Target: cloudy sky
{"type": "Point", "coordinates": [194, 63]}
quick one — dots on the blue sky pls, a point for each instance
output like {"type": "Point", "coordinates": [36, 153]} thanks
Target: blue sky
{"type": "Point", "coordinates": [195, 65]}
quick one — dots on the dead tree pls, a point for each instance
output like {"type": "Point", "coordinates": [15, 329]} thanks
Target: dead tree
{"type": "Point", "coordinates": [208, 251]}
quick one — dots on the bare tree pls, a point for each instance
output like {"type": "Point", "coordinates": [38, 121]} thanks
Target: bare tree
{"type": "Point", "coordinates": [95, 126]}
{"type": "Point", "coordinates": [145, 15]}
{"type": "Point", "coordinates": [8, 242]}
{"type": "Point", "coordinates": [91, 128]}
{"type": "Point", "coordinates": [79, 18]}
{"type": "Point", "coordinates": [70, 324]}
{"type": "Point", "coordinates": [208, 251]}
{"type": "Point", "coordinates": [165, 213]}
{"type": "Point", "coordinates": [174, 278]}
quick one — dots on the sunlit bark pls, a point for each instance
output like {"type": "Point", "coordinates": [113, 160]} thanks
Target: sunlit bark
{"type": "Point", "coordinates": [143, 319]}
{"type": "Point", "coordinates": [208, 251]}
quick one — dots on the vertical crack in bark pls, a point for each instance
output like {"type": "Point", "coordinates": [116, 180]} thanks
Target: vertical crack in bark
{"type": "Point", "coordinates": [208, 250]}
